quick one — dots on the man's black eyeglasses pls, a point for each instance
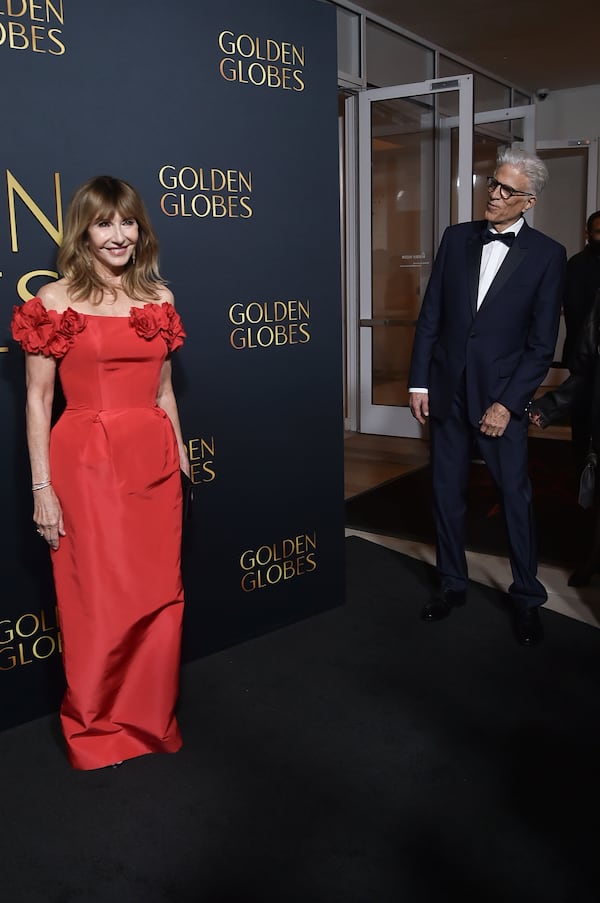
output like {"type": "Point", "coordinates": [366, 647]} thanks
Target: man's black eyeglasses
{"type": "Point", "coordinates": [506, 192]}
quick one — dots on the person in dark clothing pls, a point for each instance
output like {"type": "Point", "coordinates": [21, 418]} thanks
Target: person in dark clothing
{"type": "Point", "coordinates": [483, 343]}
{"type": "Point", "coordinates": [584, 381]}
{"type": "Point", "coordinates": [583, 282]}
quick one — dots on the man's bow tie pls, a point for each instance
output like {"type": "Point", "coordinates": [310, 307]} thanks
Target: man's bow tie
{"type": "Point", "coordinates": [506, 237]}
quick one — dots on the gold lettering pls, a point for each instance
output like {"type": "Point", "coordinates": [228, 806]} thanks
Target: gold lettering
{"type": "Point", "coordinates": [247, 563]}
{"type": "Point", "coordinates": [43, 624]}
{"type": "Point", "coordinates": [236, 318]}
{"type": "Point", "coordinates": [244, 203]}
{"type": "Point", "coordinates": [248, 585]}
{"type": "Point", "coordinates": [288, 547]}
{"type": "Point", "coordinates": [19, 630]}
{"type": "Point", "coordinates": [207, 447]}
{"type": "Point", "coordinates": [242, 39]}
{"type": "Point", "coordinates": [297, 55]}
{"type": "Point", "coordinates": [245, 182]}
{"type": "Point", "coordinates": [161, 177]}
{"type": "Point", "coordinates": [173, 210]}
{"type": "Point", "coordinates": [9, 634]}
{"type": "Point", "coordinates": [16, 32]}
{"type": "Point", "coordinates": [15, 188]}
{"type": "Point", "coordinates": [193, 450]}
{"type": "Point", "coordinates": [210, 473]}
{"type": "Point", "coordinates": [273, 50]}
{"type": "Point", "coordinates": [205, 201]}
{"type": "Point", "coordinates": [12, 11]}
{"type": "Point", "coordinates": [230, 47]}
{"type": "Point", "coordinates": [22, 288]}
{"type": "Point", "coordinates": [193, 181]}
{"type": "Point", "coordinates": [22, 659]}
{"type": "Point", "coordinates": [228, 72]}
{"type": "Point", "coordinates": [257, 73]}
{"type": "Point", "coordinates": [274, 79]}
{"type": "Point", "coordinates": [35, 37]}
{"type": "Point", "coordinates": [48, 642]}
{"type": "Point", "coordinates": [52, 32]}
{"type": "Point", "coordinates": [59, 16]}
{"type": "Point", "coordinates": [219, 209]}
{"type": "Point", "coordinates": [32, 8]}
{"type": "Point", "coordinates": [265, 553]}
{"type": "Point", "coordinates": [10, 658]}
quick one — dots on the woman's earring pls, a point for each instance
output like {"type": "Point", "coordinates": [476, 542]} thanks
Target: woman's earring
{"type": "Point", "coordinates": [133, 255]}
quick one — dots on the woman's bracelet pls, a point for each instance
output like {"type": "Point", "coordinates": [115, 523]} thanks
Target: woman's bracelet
{"type": "Point", "coordinates": [36, 486]}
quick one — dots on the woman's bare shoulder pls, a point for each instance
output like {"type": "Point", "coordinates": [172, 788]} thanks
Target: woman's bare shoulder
{"type": "Point", "coordinates": [165, 295]}
{"type": "Point", "coordinates": [54, 295]}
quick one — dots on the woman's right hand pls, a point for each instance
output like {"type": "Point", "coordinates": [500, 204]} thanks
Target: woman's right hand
{"type": "Point", "coordinates": [48, 516]}
{"type": "Point", "coordinates": [535, 417]}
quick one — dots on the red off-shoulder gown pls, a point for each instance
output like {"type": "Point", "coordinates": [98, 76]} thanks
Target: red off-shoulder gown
{"type": "Point", "coordinates": [115, 469]}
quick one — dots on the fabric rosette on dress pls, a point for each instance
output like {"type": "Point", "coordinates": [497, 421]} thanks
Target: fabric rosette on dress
{"type": "Point", "coordinates": [152, 319]}
{"type": "Point", "coordinates": [47, 332]}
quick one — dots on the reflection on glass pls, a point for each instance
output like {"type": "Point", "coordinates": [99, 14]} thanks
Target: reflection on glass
{"type": "Point", "coordinates": [488, 95]}
{"type": "Point", "coordinates": [403, 173]}
{"type": "Point", "coordinates": [561, 209]}
{"type": "Point", "coordinates": [487, 140]}
{"type": "Point", "coordinates": [348, 42]}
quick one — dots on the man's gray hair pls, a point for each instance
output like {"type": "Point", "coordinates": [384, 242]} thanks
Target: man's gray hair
{"type": "Point", "coordinates": [530, 165]}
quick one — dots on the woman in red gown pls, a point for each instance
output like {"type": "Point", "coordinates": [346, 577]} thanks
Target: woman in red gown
{"type": "Point", "coordinates": [106, 478]}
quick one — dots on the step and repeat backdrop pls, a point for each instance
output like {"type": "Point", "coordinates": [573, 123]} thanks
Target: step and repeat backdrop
{"type": "Point", "coordinates": [224, 116]}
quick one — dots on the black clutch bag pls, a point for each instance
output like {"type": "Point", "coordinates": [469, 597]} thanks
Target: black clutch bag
{"type": "Point", "coordinates": [188, 495]}
{"type": "Point", "coordinates": [587, 481]}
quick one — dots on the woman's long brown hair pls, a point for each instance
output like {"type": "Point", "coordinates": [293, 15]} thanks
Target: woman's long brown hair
{"type": "Point", "coordinates": [99, 199]}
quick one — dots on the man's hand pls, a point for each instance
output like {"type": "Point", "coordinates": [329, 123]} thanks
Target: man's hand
{"type": "Point", "coordinates": [495, 420]}
{"type": "Point", "coordinates": [418, 403]}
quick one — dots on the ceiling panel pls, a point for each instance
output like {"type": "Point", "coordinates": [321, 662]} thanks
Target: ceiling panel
{"type": "Point", "coordinates": [530, 44]}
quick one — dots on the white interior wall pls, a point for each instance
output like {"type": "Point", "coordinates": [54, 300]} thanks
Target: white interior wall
{"type": "Point", "coordinates": [569, 114]}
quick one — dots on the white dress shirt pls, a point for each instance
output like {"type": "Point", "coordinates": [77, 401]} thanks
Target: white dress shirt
{"type": "Point", "coordinates": [492, 257]}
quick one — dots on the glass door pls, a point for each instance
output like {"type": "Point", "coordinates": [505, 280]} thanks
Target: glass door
{"type": "Point", "coordinates": [405, 200]}
{"type": "Point", "coordinates": [491, 130]}
{"type": "Point", "coordinates": [570, 196]}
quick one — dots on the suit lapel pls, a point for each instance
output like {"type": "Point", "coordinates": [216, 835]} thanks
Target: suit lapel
{"type": "Point", "coordinates": [474, 248]}
{"type": "Point", "coordinates": [516, 255]}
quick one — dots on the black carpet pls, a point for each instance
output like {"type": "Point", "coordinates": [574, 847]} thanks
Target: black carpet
{"type": "Point", "coordinates": [360, 756]}
{"type": "Point", "coordinates": [403, 507]}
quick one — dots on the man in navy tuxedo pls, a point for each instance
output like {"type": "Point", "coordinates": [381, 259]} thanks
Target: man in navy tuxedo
{"type": "Point", "coordinates": [484, 340]}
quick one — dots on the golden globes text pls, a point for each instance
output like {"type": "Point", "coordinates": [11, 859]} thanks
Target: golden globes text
{"type": "Point", "coordinates": [201, 192]}
{"type": "Point", "coordinates": [29, 638]}
{"type": "Point", "coordinates": [32, 26]}
{"type": "Point", "coordinates": [262, 62]}
{"type": "Point", "coordinates": [266, 324]}
{"type": "Point", "coordinates": [285, 559]}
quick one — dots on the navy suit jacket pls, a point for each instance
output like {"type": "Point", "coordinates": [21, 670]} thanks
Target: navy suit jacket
{"type": "Point", "coordinates": [505, 348]}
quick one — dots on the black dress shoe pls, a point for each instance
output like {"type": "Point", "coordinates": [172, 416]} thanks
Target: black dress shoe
{"type": "Point", "coordinates": [528, 626]}
{"type": "Point", "coordinates": [442, 604]}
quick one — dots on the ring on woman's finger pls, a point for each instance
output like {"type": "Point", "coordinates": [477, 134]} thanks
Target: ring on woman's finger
{"type": "Point", "coordinates": [40, 532]}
